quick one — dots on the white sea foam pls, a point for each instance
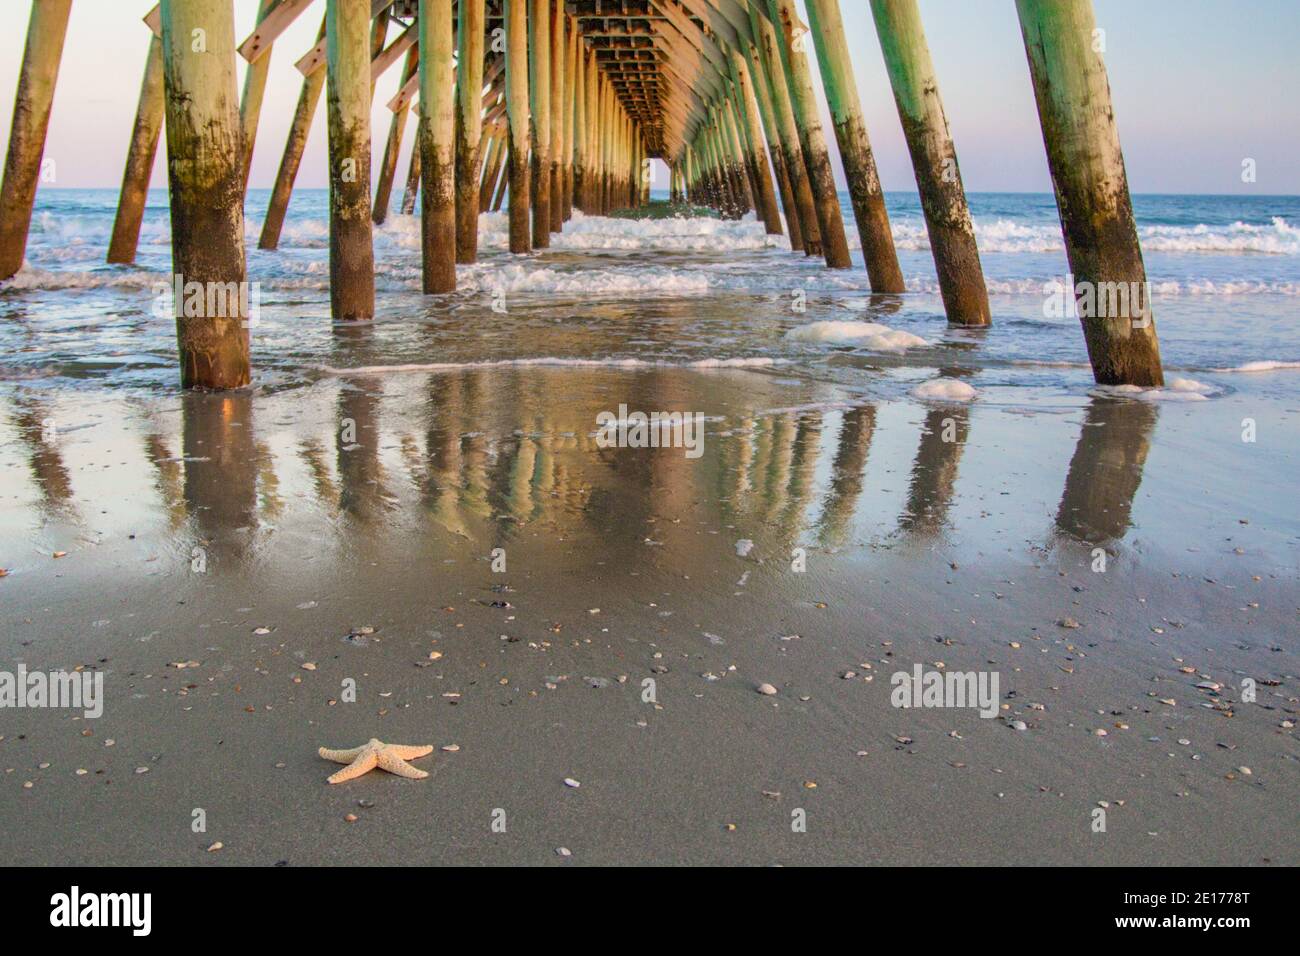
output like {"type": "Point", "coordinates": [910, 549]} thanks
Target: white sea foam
{"type": "Point", "coordinates": [594, 233]}
{"type": "Point", "coordinates": [871, 335]}
{"type": "Point", "coordinates": [531, 277]}
{"type": "Point", "coordinates": [1176, 390]}
{"type": "Point", "coordinates": [1166, 288]}
{"type": "Point", "coordinates": [944, 390]}
{"type": "Point", "coordinates": [1265, 365]}
{"type": "Point", "coordinates": [29, 279]}
{"type": "Point", "coordinates": [1006, 236]}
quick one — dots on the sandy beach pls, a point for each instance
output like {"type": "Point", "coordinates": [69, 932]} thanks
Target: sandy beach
{"type": "Point", "coordinates": [330, 558]}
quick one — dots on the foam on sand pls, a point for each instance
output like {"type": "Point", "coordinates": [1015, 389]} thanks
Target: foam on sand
{"type": "Point", "coordinates": [1176, 390]}
{"type": "Point", "coordinates": [944, 390]}
{"type": "Point", "coordinates": [870, 335]}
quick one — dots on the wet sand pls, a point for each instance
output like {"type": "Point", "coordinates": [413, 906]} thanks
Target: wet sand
{"type": "Point", "coordinates": [623, 565]}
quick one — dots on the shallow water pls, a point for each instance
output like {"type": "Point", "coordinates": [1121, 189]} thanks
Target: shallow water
{"type": "Point", "coordinates": [696, 315]}
{"type": "Point", "coordinates": [1225, 270]}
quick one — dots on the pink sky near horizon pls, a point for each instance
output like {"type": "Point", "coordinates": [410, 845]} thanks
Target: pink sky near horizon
{"type": "Point", "coordinates": [1190, 103]}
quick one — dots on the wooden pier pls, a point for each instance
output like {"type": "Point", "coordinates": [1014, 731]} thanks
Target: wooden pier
{"type": "Point", "coordinates": [559, 105]}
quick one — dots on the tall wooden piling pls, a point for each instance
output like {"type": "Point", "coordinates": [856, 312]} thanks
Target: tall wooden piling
{"type": "Point", "coordinates": [347, 100]}
{"type": "Point", "coordinates": [591, 174]}
{"type": "Point", "coordinates": [830, 220]}
{"type": "Point", "coordinates": [31, 119]}
{"type": "Point", "coordinates": [493, 161]}
{"type": "Point", "coordinates": [765, 39]}
{"type": "Point", "coordinates": [205, 176]}
{"type": "Point", "coordinates": [602, 144]}
{"type": "Point", "coordinates": [570, 115]}
{"type": "Point", "coordinates": [740, 141]}
{"type": "Point", "coordinates": [519, 116]}
{"type": "Point", "coordinates": [437, 142]}
{"type": "Point", "coordinates": [934, 160]}
{"type": "Point", "coordinates": [539, 89]}
{"type": "Point", "coordinates": [139, 158]}
{"type": "Point", "coordinates": [1087, 166]}
{"type": "Point", "coordinates": [470, 27]}
{"type": "Point", "coordinates": [579, 158]}
{"type": "Point", "coordinates": [762, 172]}
{"type": "Point", "coordinates": [412, 190]}
{"type": "Point", "coordinates": [250, 103]}
{"type": "Point", "coordinates": [273, 223]}
{"type": "Point", "coordinates": [393, 145]}
{"type": "Point", "coordinates": [827, 27]}
{"type": "Point", "coordinates": [735, 154]}
{"type": "Point", "coordinates": [785, 190]}
{"type": "Point", "coordinates": [557, 114]}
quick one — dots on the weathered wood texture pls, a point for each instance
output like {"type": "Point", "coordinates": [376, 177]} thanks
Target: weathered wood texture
{"type": "Point", "coordinates": [31, 120]}
{"type": "Point", "coordinates": [934, 160]}
{"type": "Point", "coordinates": [1087, 166]}
{"type": "Point", "coordinates": [347, 100]}
{"type": "Point", "coordinates": [205, 175]}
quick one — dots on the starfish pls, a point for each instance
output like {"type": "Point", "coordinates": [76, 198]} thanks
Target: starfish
{"type": "Point", "coordinates": [376, 753]}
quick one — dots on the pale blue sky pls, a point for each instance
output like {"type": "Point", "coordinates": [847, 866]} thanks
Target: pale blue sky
{"type": "Point", "coordinates": [1198, 86]}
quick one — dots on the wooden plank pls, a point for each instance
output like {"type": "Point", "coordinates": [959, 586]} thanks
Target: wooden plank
{"type": "Point", "coordinates": [272, 25]}
{"type": "Point", "coordinates": [314, 59]}
{"type": "Point", "coordinates": [395, 49]}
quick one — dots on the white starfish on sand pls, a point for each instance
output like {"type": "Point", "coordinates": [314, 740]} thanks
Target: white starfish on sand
{"type": "Point", "coordinates": [376, 753]}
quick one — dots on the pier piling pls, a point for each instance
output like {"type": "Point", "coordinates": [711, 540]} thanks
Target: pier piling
{"type": "Point", "coordinates": [139, 159]}
{"type": "Point", "coordinates": [1087, 166]}
{"type": "Point", "coordinates": [835, 245]}
{"type": "Point", "coordinates": [437, 141]}
{"type": "Point", "coordinates": [519, 112]}
{"type": "Point", "coordinates": [470, 26]}
{"type": "Point", "coordinates": [393, 145]}
{"type": "Point", "coordinates": [934, 161]}
{"type": "Point", "coordinates": [31, 120]}
{"type": "Point", "coordinates": [827, 27]}
{"type": "Point", "coordinates": [205, 175]}
{"type": "Point", "coordinates": [299, 129]}
{"type": "Point", "coordinates": [347, 99]}
{"type": "Point", "coordinates": [539, 80]}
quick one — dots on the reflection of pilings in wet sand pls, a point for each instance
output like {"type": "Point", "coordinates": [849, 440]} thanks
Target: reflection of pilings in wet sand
{"type": "Point", "coordinates": [312, 453]}
{"type": "Point", "coordinates": [803, 464]}
{"type": "Point", "coordinates": [733, 479]}
{"type": "Point", "coordinates": [443, 449]}
{"type": "Point", "coordinates": [522, 475]}
{"type": "Point", "coordinates": [268, 484]}
{"type": "Point", "coordinates": [220, 460]}
{"type": "Point", "coordinates": [776, 474]}
{"type": "Point", "coordinates": [1106, 470]}
{"type": "Point", "coordinates": [934, 472]}
{"type": "Point", "coordinates": [847, 474]}
{"type": "Point", "coordinates": [170, 479]}
{"type": "Point", "coordinates": [513, 484]}
{"type": "Point", "coordinates": [39, 435]}
{"type": "Point", "coordinates": [357, 448]}
{"type": "Point", "coordinates": [474, 447]}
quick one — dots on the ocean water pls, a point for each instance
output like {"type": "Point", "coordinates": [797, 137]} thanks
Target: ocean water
{"type": "Point", "coordinates": [1225, 273]}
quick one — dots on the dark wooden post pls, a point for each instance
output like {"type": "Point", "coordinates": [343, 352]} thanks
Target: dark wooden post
{"type": "Point", "coordinates": [1087, 166]}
